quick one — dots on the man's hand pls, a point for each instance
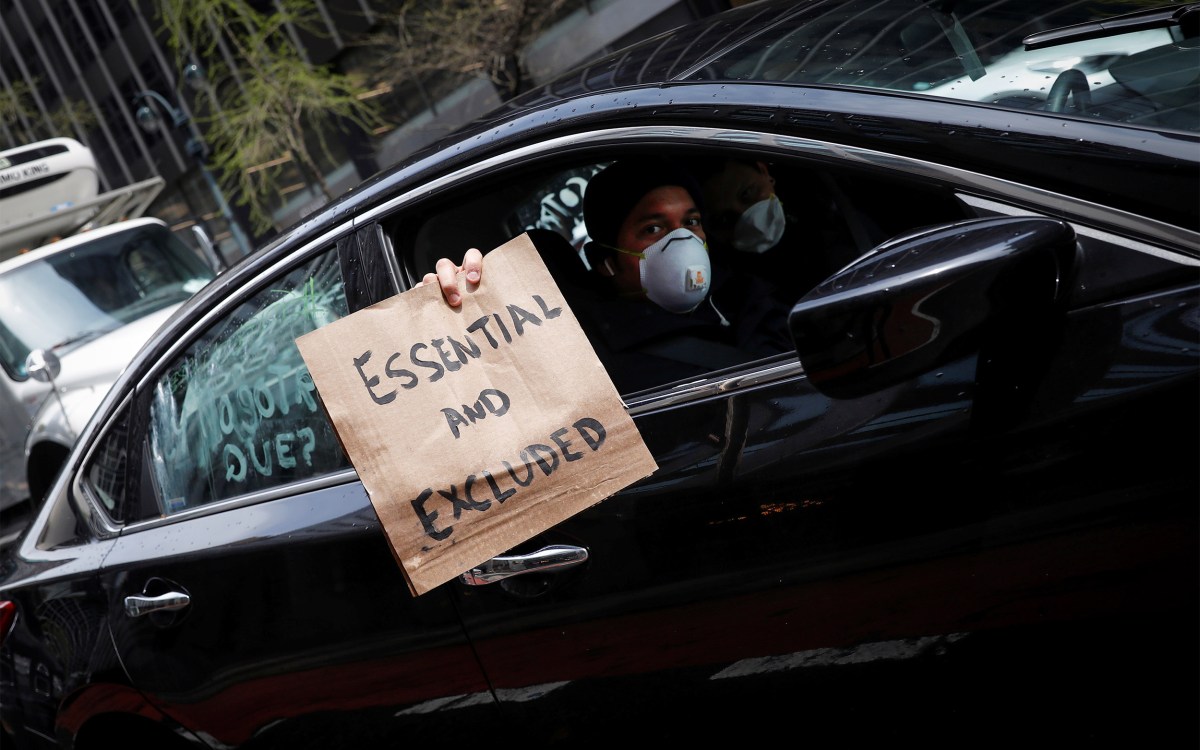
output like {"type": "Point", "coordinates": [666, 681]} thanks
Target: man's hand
{"type": "Point", "coordinates": [446, 275]}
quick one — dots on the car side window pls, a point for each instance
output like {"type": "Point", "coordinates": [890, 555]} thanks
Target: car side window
{"type": "Point", "coordinates": [107, 472]}
{"type": "Point", "coordinates": [817, 219]}
{"type": "Point", "coordinates": [238, 412]}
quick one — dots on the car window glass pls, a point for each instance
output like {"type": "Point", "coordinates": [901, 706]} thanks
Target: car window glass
{"type": "Point", "coordinates": [554, 204]}
{"type": "Point", "coordinates": [974, 50]}
{"type": "Point", "coordinates": [96, 287]}
{"type": "Point", "coordinates": [831, 219]}
{"type": "Point", "coordinates": [548, 204]}
{"type": "Point", "coordinates": [238, 412]}
{"type": "Point", "coordinates": [115, 478]}
{"type": "Point", "coordinates": [664, 59]}
{"type": "Point", "coordinates": [827, 220]}
{"type": "Point", "coordinates": [107, 468]}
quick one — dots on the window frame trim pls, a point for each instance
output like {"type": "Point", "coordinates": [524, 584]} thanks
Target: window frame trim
{"type": "Point", "coordinates": [82, 494]}
{"type": "Point", "coordinates": [753, 374]}
{"type": "Point", "coordinates": [786, 146]}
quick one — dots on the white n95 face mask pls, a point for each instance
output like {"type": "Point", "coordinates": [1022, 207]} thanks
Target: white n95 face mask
{"type": "Point", "coordinates": [760, 227]}
{"type": "Point", "coordinates": [675, 271]}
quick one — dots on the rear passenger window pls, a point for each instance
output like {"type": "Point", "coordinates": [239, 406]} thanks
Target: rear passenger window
{"type": "Point", "coordinates": [238, 413]}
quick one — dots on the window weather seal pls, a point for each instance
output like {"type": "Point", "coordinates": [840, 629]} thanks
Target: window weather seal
{"type": "Point", "coordinates": [1187, 17]}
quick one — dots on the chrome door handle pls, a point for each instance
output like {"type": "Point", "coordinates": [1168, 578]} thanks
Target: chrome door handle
{"type": "Point", "coordinates": [547, 558]}
{"type": "Point", "coordinates": [136, 606]}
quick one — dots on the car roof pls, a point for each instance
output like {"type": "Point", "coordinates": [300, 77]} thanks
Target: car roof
{"type": "Point", "coordinates": [672, 55]}
{"type": "Point", "coordinates": [738, 45]}
{"type": "Point", "coordinates": [693, 72]}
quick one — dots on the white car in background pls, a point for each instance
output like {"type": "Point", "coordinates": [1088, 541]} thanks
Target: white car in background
{"type": "Point", "coordinates": [72, 315]}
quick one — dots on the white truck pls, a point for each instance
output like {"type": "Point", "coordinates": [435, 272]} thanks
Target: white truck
{"type": "Point", "coordinates": [74, 310]}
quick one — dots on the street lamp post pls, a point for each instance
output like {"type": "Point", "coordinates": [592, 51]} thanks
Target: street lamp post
{"type": "Point", "coordinates": [150, 121]}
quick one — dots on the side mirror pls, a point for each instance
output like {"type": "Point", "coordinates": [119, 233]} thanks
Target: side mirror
{"type": "Point", "coordinates": [43, 365]}
{"type": "Point", "coordinates": [924, 299]}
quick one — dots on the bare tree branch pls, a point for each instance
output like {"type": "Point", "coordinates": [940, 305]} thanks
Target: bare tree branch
{"type": "Point", "coordinates": [486, 39]}
{"type": "Point", "coordinates": [277, 109]}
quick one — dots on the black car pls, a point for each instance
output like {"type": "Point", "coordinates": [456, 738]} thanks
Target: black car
{"type": "Point", "coordinates": [961, 511]}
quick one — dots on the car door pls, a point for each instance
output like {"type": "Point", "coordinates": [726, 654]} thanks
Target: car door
{"type": "Point", "coordinates": [839, 551]}
{"type": "Point", "coordinates": [253, 597]}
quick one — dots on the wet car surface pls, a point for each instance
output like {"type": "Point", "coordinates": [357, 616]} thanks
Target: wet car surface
{"type": "Point", "coordinates": [961, 510]}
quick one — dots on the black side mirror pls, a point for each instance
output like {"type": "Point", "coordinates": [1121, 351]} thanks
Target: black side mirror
{"type": "Point", "coordinates": [924, 299]}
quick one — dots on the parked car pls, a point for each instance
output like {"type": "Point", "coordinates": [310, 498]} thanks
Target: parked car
{"type": "Point", "coordinates": [963, 512]}
{"type": "Point", "coordinates": [72, 315]}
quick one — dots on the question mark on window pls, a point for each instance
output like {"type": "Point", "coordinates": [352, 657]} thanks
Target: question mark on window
{"type": "Point", "coordinates": [309, 444]}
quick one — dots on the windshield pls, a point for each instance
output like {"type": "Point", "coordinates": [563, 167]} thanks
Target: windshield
{"type": "Point", "coordinates": [77, 295]}
{"type": "Point", "coordinates": [1143, 73]}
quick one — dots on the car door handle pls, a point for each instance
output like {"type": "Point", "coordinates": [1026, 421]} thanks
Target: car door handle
{"type": "Point", "coordinates": [553, 557]}
{"type": "Point", "coordinates": [136, 606]}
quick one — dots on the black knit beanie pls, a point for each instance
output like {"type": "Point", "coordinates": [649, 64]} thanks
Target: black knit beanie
{"type": "Point", "coordinates": [617, 188]}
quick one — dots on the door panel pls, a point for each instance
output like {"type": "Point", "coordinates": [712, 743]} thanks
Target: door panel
{"type": "Point", "coordinates": [337, 646]}
{"type": "Point", "coordinates": [253, 595]}
{"type": "Point", "coordinates": [853, 568]}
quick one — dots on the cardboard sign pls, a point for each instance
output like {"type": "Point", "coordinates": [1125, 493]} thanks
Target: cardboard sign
{"type": "Point", "coordinates": [474, 428]}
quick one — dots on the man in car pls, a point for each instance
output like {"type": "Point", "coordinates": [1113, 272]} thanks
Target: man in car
{"type": "Point", "coordinates": [659, 310]}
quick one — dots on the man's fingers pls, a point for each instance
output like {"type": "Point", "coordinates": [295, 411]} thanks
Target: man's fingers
{"type": "Point", "coordinates": [473, 265]}
{"type": "Point", "coordinates": [447, 276]}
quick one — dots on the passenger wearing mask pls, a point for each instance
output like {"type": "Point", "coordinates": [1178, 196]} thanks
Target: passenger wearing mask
{"type": "Point", "coordinates": [791, 235]}
{"type": "Point", "coordinates": [659, 308]}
